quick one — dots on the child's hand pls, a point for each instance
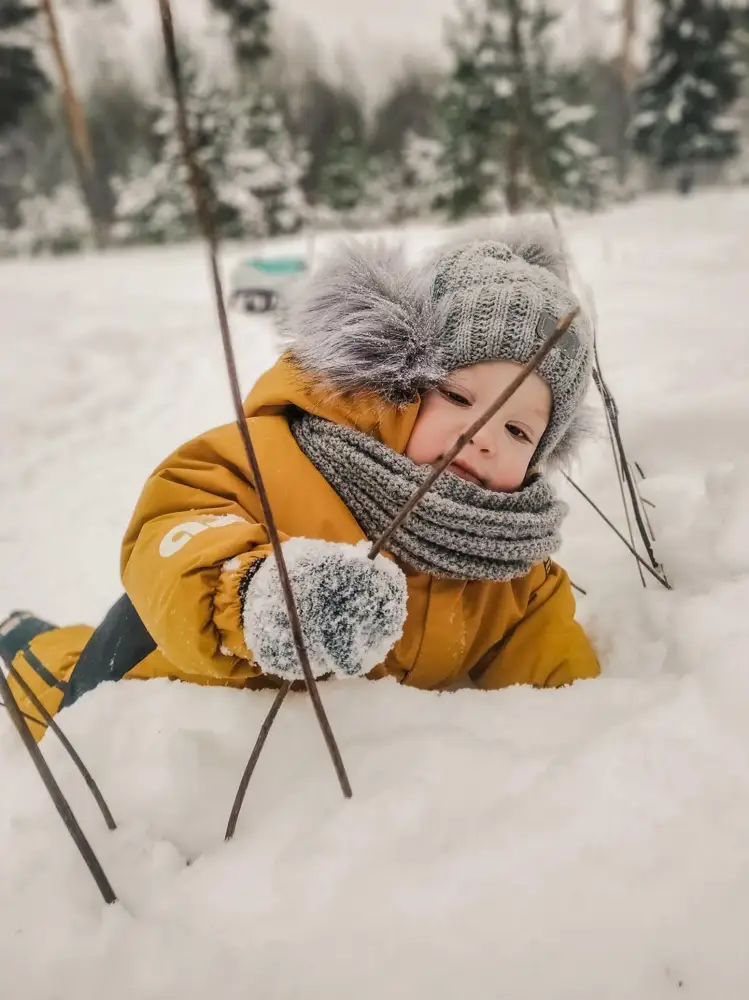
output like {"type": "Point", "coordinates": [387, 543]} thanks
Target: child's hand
{"type": "Point", "coordinates": [351, 609]}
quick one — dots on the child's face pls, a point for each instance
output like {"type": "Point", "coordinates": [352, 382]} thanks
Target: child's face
{"type": "Point", "coordinates": [500, 453]}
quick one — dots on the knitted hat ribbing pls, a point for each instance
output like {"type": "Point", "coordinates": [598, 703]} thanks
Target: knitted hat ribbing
{"type": "Point", "coordinates": [503, 306]}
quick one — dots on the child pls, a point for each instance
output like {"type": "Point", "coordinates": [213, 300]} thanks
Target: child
{"type": "Point", "coordinates": [386, 366]}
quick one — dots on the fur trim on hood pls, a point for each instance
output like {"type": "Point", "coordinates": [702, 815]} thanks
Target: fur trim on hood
{"type": "Point", "coordinates": [366, 320]}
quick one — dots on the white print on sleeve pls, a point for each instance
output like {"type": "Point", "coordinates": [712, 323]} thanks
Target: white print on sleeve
{"type": "Point", "coordinates": [178, 536]}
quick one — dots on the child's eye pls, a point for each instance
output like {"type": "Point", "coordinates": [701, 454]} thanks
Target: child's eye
{"type": "Point", "coordinates": [455, 397]}
{"type": "Point", "coordinates": [518, 432]}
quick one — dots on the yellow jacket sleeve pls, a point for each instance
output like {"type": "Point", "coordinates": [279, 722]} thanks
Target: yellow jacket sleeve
{"type": "Point", "coordinates": [547, 647]}
{"type": "Point", "coordinates": [192, 537]}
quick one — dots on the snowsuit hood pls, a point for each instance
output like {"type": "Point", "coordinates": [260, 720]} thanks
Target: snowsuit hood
{"type": "Point", "coordinates": [286, 385]}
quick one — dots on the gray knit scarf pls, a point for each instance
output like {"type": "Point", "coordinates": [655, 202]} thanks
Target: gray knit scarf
{"type": "Point", "coordinates": [458, 530]}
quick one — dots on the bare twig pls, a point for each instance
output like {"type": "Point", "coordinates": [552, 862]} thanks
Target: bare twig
{"type": "Point", "coordinates": [614, 528]}
{"type": "Point", "coordinates": [643, 503]}
{"type": "Point", "coordinates": [633, 494]}
{"type": "Point", "coordinates": [61, 803]}
{"type": "Point", "coordinates": [613, 411]}
{"type": "Point", "coordinates": [208, 228]}
{"type": "Point", "coordinates": [254, 756]}
{"type": "Point", "coordinates": [617, 465]}
{"type": "Point", "coordinates": [74, 756]}
{"type": "Point", "coordinates": [561, 328]}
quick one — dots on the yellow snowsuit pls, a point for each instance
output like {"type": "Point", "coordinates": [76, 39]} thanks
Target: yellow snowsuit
{"type": "Point", "coordinates": [198, 525]}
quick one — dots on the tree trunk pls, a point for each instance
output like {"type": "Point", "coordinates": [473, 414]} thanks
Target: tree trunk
{"type": "Point", "coordinates": [626, 79]}
{"type": "Point", "coordinates": [78, 131]}
{"type": "Point", "coordinates": [513, 193]}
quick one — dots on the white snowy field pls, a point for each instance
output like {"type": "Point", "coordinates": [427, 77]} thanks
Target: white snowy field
{"type": "Point", "coordinates": [589, 843]}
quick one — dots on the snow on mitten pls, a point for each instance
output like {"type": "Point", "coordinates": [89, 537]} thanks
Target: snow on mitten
{"type": "Point", "coordinates": [351, 609]}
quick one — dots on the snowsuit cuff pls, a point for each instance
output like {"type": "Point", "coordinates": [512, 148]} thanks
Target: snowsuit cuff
{"type": "Point", "coordinates": [235, 577]}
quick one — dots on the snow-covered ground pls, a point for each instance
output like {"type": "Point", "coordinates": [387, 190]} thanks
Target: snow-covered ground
{"type": "Point", "coordinates": [591, 842]}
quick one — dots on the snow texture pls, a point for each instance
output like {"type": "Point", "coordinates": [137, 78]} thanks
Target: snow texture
{"type": "Point", "coordinates": [351, 609]}
{"type": "Point", "coordinates": [590, 843]}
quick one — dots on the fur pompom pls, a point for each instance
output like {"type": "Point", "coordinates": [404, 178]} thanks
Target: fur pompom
{"type": "Point", "coordinates": [366, 320]}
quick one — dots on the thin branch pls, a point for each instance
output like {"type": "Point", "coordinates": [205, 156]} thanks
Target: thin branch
{"type": "Point", "coordinates": [208, 228]}
{"type": "Point", "coordinates": [614, 528]}
{"type": "Point", "coordinates": [643, 502]}
{"type": "Point", "coordinates": [612, 415]}
{"type": "Point", "coordinates": [612, 408]}
{"type": "Point", "coordinates": [561, 328]}
{"type": "Point", "coordinates": [620, 478]}
{"type": "Point", "coordinates": [60, 802]}
{"type": "Point", "coordinates": [646, 502]}
{"type": "Point", "coordinates": [254, 757]}
{"type": "Point", "coordinates": [74, 756]}
{"type": "Point", "coordinates": [633, 494]}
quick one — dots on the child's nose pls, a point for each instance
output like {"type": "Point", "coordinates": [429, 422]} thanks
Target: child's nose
{"type": "Point", "coordinates": [483, 439]}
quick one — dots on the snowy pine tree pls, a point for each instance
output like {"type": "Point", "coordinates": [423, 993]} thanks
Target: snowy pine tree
{"type": "Point", "coordinates": [406, 185]}
{"type": "Point", "coordinates": [270, 160]}
{"type": "Point", "coordinates": [154, 202]}
{"type": "Point", "coordinates": [343, 177]}
{"type": "Point", "coordinates": [477, 109]}
{"type": "Point", "coordinates": [53, 224]}
{"type": "Point", "coordinates": [508, 130]}
{"type": "Point", "coordinates": [22, 78]}
{"type": "Point", "coordinates": [564, 160]}
{"type": "Point", "coordinates": [270, 150]}
{"type": "Point", "coordinates": [422, 182]}
{"type": "Point", "coordinates": [250, 169]}
{"type": "Point", "coordinates": [693, 79]}
{"type": "Point", "coordinates": [248, 24]}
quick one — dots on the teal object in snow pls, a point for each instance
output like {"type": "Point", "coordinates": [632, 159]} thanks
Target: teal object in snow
{"type": "Point", "coordinates": [277, 265]}
{"type": "Point", "coordinates": [257, 283]}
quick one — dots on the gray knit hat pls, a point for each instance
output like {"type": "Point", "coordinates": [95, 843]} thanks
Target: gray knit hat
{"type": "Point", "coordinates": [368, 320]}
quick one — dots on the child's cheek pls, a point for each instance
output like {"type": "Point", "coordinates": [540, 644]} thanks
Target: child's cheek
{"type": "Point", "coordinates": [415, 446]}
{"type": "Point", "coordinates": [421, 447]}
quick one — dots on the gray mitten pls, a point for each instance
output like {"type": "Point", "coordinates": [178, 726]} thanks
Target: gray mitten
{"type": "Point", "coordinates": [351, 609]}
